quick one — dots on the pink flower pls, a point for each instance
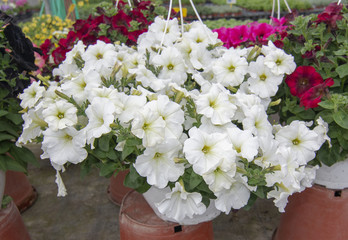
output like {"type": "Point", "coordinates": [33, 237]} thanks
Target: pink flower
{"type": "Point", "coordinates": [312, 97]}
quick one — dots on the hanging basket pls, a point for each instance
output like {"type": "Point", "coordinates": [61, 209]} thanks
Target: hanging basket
{"type": "Point", "coordinates": [334, 177]}
{"type": "Point", "coordinates": [11, 224]}
{"type": "Point", "coordinates": [138, 221]}
{"type": "Point", "coordinates": [316, 213]}
{"type": "Point", "coordinates": [19, 188]}
{"type": "Point", "coordinates": [116, 190]}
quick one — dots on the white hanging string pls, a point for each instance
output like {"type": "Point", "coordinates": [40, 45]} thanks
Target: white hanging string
{"type": "Point", "coordinates": [338, 3]}
{"type": "Point", "coordinates": [278, 9]}
{"type": "Point", "coordinates": [181, 18]}
{"type": "Point", "coordinates": [167, 22]}
{"type": "Point", "coordinates": [130, 4]}
{"type": "Point", "coordinates": [200, 20]}
{"type": "Point", "coordinates": [116, 5]}
{"type": "Point", "coordinates": [287, 5]}
{"type": "Point", "coordinates": [273, 7]}
{"type": "Point", "coordinates": [272, 14]}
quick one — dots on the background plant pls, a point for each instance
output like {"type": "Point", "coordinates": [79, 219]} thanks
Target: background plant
{"type": "Point", "coordinates": [16, 63]}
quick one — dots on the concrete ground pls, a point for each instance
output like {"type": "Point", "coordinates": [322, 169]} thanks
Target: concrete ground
{"type": "Point", "coordinates": [86, 213]}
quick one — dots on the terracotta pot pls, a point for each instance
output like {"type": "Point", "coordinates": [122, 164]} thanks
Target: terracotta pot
{"type": "Point", "coordinates": [316, 213]}
{"type": "Point", "coordinates": [138, 221]}
{"type": "Point", "coordinates": [11, 224]}
{"type": "Point", "coordinates": [116, 190]}
{"type": "Point", "coordinates": [19, 188]}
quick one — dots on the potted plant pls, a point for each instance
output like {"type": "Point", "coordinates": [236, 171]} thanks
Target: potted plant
{"type": "Point", "coordinates": [183, 113]}
{"type": "Point", "coordinates": [318, 89]}
{"type": "Point", "coordinates": [17, 60]}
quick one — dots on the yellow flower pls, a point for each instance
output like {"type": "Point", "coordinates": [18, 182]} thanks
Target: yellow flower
{"type": "Point", "coordinates": [80, 3]}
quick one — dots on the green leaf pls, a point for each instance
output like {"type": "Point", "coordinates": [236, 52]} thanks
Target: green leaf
{"type": "Point", "coordinates": [104, 142]}
{"type": "Point", "coordinates": [15, 118]}
{"type": "Point", "coordinates": [342, 70]}
{"type": "Point", "coordinates": [7, 127]}
{"type": "Point", "coordinates": [5, 136]}
{"type": "Point", "coordinates": [127, 150]}
{"type": "Point", "coordinates": [135, 181]}
{"type": "Point", "coordinates": [194, 181]}
{"type": "Point", "coordinates": [23, 154]}
{"type": "Point", "coordinates": [327, 104]}
{"type": "Point", "coordinates": [330, 156]}
{"type": "Point", "coordinates": [5, 146]}
{"type": "Point", "coordinates": [3, 93]}
{"type": "Point", "coordinates": [133, 142]}
{"type": "Point", "coordinates": [5, 201]}
{"type": "Point", "coordinates": [341, 117]}
{"type": "Point", "coordinates": [107, 169]}
{"type": "Point", "coordinates": [8, 163]}
{"type": "Point", "coordinates": [3, 113]}
{"type": "Point", "coordinates": [251, 201]}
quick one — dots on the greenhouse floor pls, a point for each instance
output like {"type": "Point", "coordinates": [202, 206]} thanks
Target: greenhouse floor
{"type": "Point", "coordinates": [86, 213]}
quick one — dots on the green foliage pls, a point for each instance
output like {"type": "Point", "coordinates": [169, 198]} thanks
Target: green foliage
{"type": "Point", "coordinates": [12, 157]}
{"type": "Point", "coordinates": [5, 201]}
{"type": "Point", "coordinates": [262, 5]}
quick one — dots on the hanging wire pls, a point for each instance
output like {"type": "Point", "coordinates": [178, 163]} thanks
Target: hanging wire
{"type": "Point", "coordinates": [181, 18]}
{"type": "Point", "coordinates": [167, 22]}
{"type": "Point", "coordinates": [338, 3]}
{"type": "Point", "coordinates": [278, 9]}
{"type": "Point", "coordinates": [273, 7]}
{"type": "Point", "coordinates": [200, 20]}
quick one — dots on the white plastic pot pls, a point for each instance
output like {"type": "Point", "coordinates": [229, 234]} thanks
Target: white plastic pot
{"type": "Point", "coordinates": [2, 185]}
{"type": "Point", "coordinates": [334, 177]}
{"type": "Point", "coordinates": [155, 195]}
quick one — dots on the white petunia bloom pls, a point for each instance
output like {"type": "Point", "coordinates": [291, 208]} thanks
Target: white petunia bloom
{"type": "Point", "coordinates": [206, 151]}
{"type": "Point", "coordinates": [157, 163]}
{"type": "Point", "coordinates": [216, 105]}
{"type": "Point", "coordinates": [60, 115]}
{"type": "Point", "coordinates": [77, 51]}
{"type": "Point", "coordinates": [108, 93]}
{"type": "Point", "coordinates": [172, 33]}
{"type": "Point", "coordinates": [64, 145]}
{"type": "Point", "coordinates": [322, 129]}
{"type": "Point", "coordinates": [31, 95]}
{"type": "Point", "coordinates": [66, 71]}
{"type": "Point", "coordinates": [101, 56]}
{"type": "Point", "coordinates": [262, 81]}
{"type": "Point", "coordinates": [302, 141]}
{"type": "Point", "coordinates": [100, 113]}
{"type": "Point", "coordinates": [32, 127]}
{"type": "Point", "coordinates": [149, 126]}
{"type": "Point", "coordinates": [279, 62]}
{"type": "Point", "coordinates": [244, 143]}
{"type": "Point", "coordinates": [230, 69]}
{"type": "Point", "coordinates": [173, 66]}
{"type": "Point", "coordinates": [180, 204]}
{"type": "Point", "coordinates": [171, 113]}
{"type": "Point", "coordinates": [148, 78]}
{"type": "Point", "coordinates": [236, 197]}
{"type": "Point", "coordinates": [130, 107]}
{"type": "Point", "coordinates": [257, 121]}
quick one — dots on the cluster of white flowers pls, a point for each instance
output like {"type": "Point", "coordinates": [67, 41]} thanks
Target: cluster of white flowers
{"type": "Point", "coordinates": [193, 103]}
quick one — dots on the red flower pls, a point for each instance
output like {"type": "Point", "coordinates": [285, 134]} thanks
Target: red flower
{"type": "Point", "coordinates": [304, 78]}
{"type": "Point", "coordinates": [312, 97]}
{"type": "Point", "coordinates": [331, 14]}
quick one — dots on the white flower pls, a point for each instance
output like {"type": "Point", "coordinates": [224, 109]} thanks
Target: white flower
{"type": "Point", "coordinates": [157, 163]}
{"type": "Point", "coordinates": [171, 113]}
{"type": "Point", "coordinates": [180, 204]}
{"type": "Point", "coordinates": [147, 78]}
{"type": "Point", "coordinates": [173, 66]}
{"type": "Point", "coordinates": [215, 105]}
{"type": "Point", "coordinates": [157, 29]}
{"type": "Point", "coordinates": [31, 95]}
{"type": "Point", "coordinates": [130, 107]}
{"type": "Point", "coordinates": [322, 130]}
{"type": "Point", "coordinates": [101, 56]}
{"type": "Point", "coordinates": [108, 93]}
{"type": "Point", "coordinates": [279, 62]}
{"type": "Point", "coordinates": [60, 114]}
{"type": "Point", "coordinates": [206, 151]}
{"type": "Point", "coordinates": [257, 121]}
{"type": "Point", "coordinates": [32, 127]}
{"type": "Point", "coordinates": [64, 145]}
{"type": "Point", "coordinates": [302, 141]}
{"type": "Point", "coordinates": [236, 197]}
{"type": "Point", "coordinates": [230, 69]}
{"type": "Point", "coordinates": [100, 115]}
{"type": "Point", "coordinates": [77, 51]}
{"type": "Point", "coordinates": [149, 126]}
{"type": "Point", "coordinates": [66, 71]}
{"type": "Point", "coordinates": [244, 143]}
{"type": "Point", "coordinates": [262, 81]}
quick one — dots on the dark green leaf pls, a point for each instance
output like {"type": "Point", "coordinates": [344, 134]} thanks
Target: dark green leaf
{"type": "Point", "coordinates": [135, 181]}
{"type": "Point", "coordinates": [341, 118]}
{"type": "Point", "coordinates": [15, 118]}
{"type": "Point", "coordinates": [5, 136]}
{"type": "Point", "coordinates": [23, 154]}
{"type": "Point", "coordinates": [5, 146]}
{"type": "Point", "coordinates": [9, 128]}
{"type": "Point", "coordinates": [127, 151]}
{"type": "Point", "coordinates": [342, 70]}
{"type": "Point", "coordinates": [8, 163]}
{"type": "Point", "coordinates": [104, 142]}
{"type": "Point", "coordinates": [327, 104]}
{"type": "Point", "coordinates": [107, 169]}
{"type": "Point", "coordinates": [3, 93]}
{"type": "Point", "coordinates": [3, 113]}
{"type": "Point", "coordinates": [330, 156]}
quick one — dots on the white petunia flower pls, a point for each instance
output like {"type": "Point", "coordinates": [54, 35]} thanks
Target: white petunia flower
{"type": "Point", "coordinates": [180, 204]}
{"type": "Point", "coordinates": [230, 69]}
{"type": "Point", "coordinates": [60, 115]}
{"type": "Point", "coordinates": [148, 78]}
{"type": "Point", "coordinates": [130, 107]}
{"type": "Point", "coordinates": [101, 56]}
{"type": "Point", "coordinates": [77, 51]}
{"type": "Point", "coordinates": [216, 105]}
{"type": "Point", "coordinates": [257, 121]}
{"type": "Point", "coordinates": [262, 81]}
{"type": "Point", "coordinates": [149, 126]}
{"type": "Point", "coordinates": [236, 197]}
{"type": "Point", "coordinates": [206, 151]}
{"type": "Point", "coordinates": [244, 143]}
{"type": "Point", "coordinates": [302, 141]}
{"type": "Point", "coordinates": [31, 95]}
{"type": "Point", "coordinates": [66, 71]}
{"type": "Point", "coordinates": [100, 113]}
{"type": "Point", "coordinates": [279, 62]}
{"type": "Point", "coordinates": [157, 163]}
{"type": "Point", "coordinates": [322, 129]}
{"type": "Point", "coordinates": [173, 66]}
{"type": "Point", "coordinates": [64, 145]}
